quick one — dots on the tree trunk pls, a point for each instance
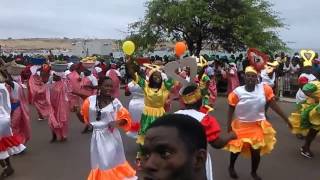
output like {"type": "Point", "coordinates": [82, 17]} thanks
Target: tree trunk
{"type": "Point", "coordinates": [199, 47]}
{"type": "Point", "coordinates": [191, 47]}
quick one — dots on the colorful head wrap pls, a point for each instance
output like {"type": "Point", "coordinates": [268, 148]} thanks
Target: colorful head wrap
{"type": "Point", "coordinates": [192, 97]}
{"type": "Point", "coordinates": [310, 87]}
{"type": "Point", "coordinates": [251, 69]}
{"type": "Point", "coordinates": [273, 64]}
{"type": "Point", "coordinates": [46, 68]}
{"type": "Point", "coordinates": [303, 80]}
{"type": "Point", "coordinates": [152, 68]}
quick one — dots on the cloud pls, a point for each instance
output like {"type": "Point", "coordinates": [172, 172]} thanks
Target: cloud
{"type": "Point", "coordinates": [72, 18]}
{"type": "Point", "coordinates": [302, 20]}
{"type": "Point", "coordinates": [109, 19]}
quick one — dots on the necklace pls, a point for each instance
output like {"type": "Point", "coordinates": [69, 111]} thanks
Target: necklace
{"type": "Point", "coordinates": [98, 109]}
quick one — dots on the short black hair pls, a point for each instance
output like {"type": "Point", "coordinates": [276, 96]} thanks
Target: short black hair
{"type": "Point", "coordinates": [190, 130]}
{"type": "Point", "coordinates": [189, 89]}
{"type": "Point", "coordinates": [102, 79]}
{"type": "Point", "coordinates": [152, 83]}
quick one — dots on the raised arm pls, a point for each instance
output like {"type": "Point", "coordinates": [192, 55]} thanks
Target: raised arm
{"type": "Point", "coordinates": [132, 69]}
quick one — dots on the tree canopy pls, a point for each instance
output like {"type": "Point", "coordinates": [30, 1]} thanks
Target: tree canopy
{"type": "Point", "coordinates": [229, 24]}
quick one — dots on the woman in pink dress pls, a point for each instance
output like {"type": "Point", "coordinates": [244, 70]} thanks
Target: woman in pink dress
{"type": "Point", "coordinates": [213, 93]}
{"type": "Point", "coordinates": [89, 84]}
{"type": "Point", "coordinates": [115, 75]}
{"type": "Point", "coordinates": [20, 116]}
{"type": "Point", "coordinates": [74, 83]}
{"type": "Point", "coordinates": [232, 76]}
{"type": "Point", "coordinates": [59, 106]}
{"type": "Point", "coordinates": [37, 89]}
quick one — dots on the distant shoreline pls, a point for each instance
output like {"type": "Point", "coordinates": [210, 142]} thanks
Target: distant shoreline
{"type": "Point", "coordinates": [64, 44]}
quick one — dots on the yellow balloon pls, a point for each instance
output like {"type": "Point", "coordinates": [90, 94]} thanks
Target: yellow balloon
{"type": "Point", "coordinates": [128, 47]}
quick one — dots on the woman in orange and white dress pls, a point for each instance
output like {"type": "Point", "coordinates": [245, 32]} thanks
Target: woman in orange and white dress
{"type": "Point", "coordinates": [246, 117]}
{"type": "Point", "coordinates": [106, 114]}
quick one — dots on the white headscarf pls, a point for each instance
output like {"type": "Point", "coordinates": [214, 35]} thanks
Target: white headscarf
{"type": "Point", "coordinates": [98, 69]}
{"type": "Point", "coordinates": [69, 65]}
{"type": "Point", "coordinates": [60, 74]}
{"type": "Point", "coordinates": [34, 69]}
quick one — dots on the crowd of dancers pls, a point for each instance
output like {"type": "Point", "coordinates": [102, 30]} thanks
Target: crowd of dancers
{"type": "Point", "coordinates": [92, 91]}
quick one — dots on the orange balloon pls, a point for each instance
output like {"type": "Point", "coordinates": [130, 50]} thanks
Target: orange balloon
{"type": "Point", "coordinates": [180, 48]}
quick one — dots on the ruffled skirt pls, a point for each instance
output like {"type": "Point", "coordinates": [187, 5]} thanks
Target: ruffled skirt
{"type": "Point", "coordinates": [149, 115]}
{"type": "Point", "coordinates": [121, 172]}
{"type": "Point", "coordinates": [308, 117]}
{"type": "Point", "coordinates": [11, 145]}
{"type": "Point", "coordinates": [256, 135]}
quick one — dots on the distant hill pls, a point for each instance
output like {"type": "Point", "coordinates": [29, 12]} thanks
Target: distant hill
{"type": "Point", "coordinates": [37, 43]}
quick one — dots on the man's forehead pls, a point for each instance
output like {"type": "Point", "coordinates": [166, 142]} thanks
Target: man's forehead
{"type": "Point", "coordinates": [162, 134]}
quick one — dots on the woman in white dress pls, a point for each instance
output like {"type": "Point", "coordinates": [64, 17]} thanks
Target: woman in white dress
{"type": "Point", "coordinates": [136, 106]}
{"type": "Point", "coordinates": [9, 144]}
{"type": "Point", "coordinates": [105, 114]}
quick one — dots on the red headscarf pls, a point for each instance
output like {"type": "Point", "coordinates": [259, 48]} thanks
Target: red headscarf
{"type": "Point", "coordinates": [303, 80]}
{"type": "Point", "coordinates": [46, 68]}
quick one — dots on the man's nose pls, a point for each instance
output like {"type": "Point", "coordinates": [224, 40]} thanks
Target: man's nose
{"type": "Point", "coordinates": [151, 164]}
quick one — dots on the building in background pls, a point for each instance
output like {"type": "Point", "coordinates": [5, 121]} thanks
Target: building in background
{"type": "Point", "coordinates": [89, 47]}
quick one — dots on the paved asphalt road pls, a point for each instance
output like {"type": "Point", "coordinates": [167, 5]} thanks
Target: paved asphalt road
{"type": "Point", "coordinates": [70, 160]}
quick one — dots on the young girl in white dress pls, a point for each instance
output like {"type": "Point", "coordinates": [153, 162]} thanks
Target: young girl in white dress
{"type": "Point", "coordinates": [106, 114]}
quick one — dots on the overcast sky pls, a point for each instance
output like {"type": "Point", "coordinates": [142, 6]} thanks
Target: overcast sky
{"type": "Point", "coordinates": [109, 19]}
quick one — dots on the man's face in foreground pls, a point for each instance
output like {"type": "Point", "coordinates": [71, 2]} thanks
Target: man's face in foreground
{"type": "Point", "coordinates": [165, 156]}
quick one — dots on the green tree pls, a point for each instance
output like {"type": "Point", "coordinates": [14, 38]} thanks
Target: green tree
{"type": "Point", "coordinates": [229, 24]}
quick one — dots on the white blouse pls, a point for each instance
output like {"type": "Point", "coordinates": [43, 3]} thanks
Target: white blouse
{"type": "Point", "coordinates": [251, 105]}
{"type": "Point", "coordinates": [135, 90]}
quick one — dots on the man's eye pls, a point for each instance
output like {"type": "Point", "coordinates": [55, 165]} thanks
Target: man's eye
{"type": "Point", "coordinates": [145, 155]}
{"type": "Point", "coordinates": [165, 154]}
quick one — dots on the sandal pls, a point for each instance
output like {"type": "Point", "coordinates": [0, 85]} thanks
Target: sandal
{"type": "Point", "coordinates": [7, 172]}
{"type": "Point", "coordinates": [232, 173]}
{"type": "Point", "coordinates": [307, 154]}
